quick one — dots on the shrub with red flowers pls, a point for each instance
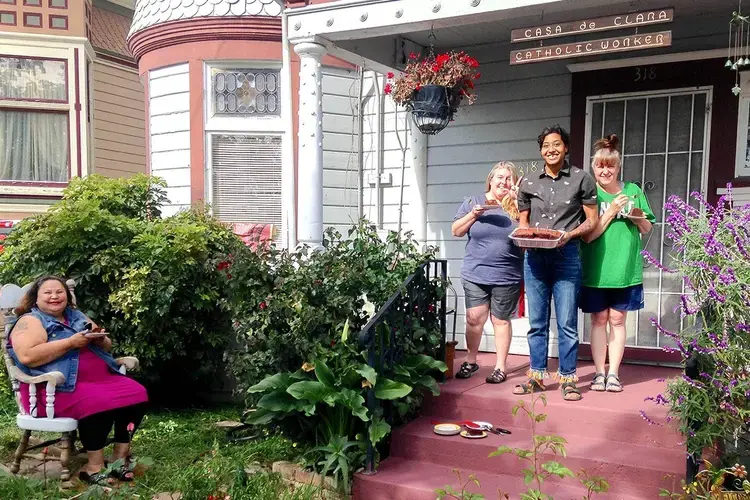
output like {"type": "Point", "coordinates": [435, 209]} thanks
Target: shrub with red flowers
{"type": "Point", "coordinates": [455, 70]}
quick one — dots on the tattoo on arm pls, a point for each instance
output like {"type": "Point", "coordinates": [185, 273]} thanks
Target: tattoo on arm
{"type": "Point", "coordinates": [21, 326]}
{"type": "Point", "coordinates": [584, 228]}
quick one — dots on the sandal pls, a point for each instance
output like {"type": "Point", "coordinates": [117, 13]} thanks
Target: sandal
{"type": "Point", "coordinates": [613, 383]}
{"type": "Point", "coordinates": [570, 392]}
{"type": "Point", "coordinates": [532, 385]}
{"type": "Point", "coordinates": [496, 377]}
{"type": "Point", "coordinates": [99, 478]}
{"type": "Point", "coordinates": [122, 473]}
{"type": "Point", "coordinates": [467, 370]}
{"type": "Point", "coordinates": [599, 383]}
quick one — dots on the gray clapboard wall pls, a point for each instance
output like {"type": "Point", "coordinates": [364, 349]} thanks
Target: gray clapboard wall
{"type": "Point", "coordinates": [396, 158]}
{"type": "Point", "coordinates": [340, 147]}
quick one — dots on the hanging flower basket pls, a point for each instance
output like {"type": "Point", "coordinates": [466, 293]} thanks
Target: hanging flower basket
{"type": "Point", "coordinates": [433, 88]}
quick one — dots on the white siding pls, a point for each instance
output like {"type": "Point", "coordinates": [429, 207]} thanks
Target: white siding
{"type": "Point", "coordinates": [169, 129]}
{"type": "Point", "coordinates": [340, 147]}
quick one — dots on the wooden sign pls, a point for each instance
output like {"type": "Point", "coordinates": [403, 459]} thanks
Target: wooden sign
{"type": "Point", "coordinates": [630, 20]}
{"type": "Point", "coordinates": [592, 47]}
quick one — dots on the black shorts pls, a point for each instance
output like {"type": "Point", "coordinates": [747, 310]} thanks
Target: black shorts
{"type": "Point", "coordinates": [594, 300]}
{"type": "Point", "coordinates": [503, 299]}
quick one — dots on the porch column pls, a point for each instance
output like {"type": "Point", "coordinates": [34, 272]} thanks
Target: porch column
{"type": "Point", "coordinates": [310, 154]}
{"type": "Point", "coordinates": [418, 184]}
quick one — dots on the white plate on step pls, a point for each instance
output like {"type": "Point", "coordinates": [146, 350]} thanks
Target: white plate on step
{"type": "Point", "coordinates": [472, 436]}
{"type": "Point", "coordinates": [447, 429]}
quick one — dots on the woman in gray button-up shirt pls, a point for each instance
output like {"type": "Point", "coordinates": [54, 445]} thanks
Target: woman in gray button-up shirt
{"type": "Point", "coordinates": [561, 197]}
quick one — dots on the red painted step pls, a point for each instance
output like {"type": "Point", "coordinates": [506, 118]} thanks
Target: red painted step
{"type": "Point", "coordinates": [399, 479]}
{"type": "Point", "coordinates": [606, 433]}
{"type": "Point", "coordinates": [630, 468]}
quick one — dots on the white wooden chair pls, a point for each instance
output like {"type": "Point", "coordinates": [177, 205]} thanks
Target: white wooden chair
{"type": "Point", "coordinates": [10, 297]}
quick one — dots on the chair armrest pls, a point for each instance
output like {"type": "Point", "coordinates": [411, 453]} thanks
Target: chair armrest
{"type": "Point", "coordinates": [54, 378]}
{"type": "Point", "coordinates": [127, 363]}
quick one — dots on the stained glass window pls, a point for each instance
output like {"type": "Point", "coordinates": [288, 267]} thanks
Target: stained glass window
{"type": "Point", "coordinates": [246, 92]}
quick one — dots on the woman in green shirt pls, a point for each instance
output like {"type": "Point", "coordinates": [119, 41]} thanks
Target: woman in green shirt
{"type": "Point", "coordinates": [612, 266]}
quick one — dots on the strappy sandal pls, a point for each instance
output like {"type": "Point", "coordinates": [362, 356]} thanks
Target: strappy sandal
{"type": "Point", "coordinates": [467, 370]}
{"type": "Point", "coordinates": [570, 392]}
{"type": "Point", "coordinates": [496, 377]}
{"type": "Point", "coordinates": [613, 383]}
{"type": "Point", "coordinates": [122, 473]}
{"type": "Point", "coordinates": [599, 383]}
{"type": "Point", "coordinates": [531, 386]}
{"type": "Point", "coordinates": [99, 478]}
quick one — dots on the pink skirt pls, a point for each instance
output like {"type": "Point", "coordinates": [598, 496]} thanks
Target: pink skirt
{"type": "Point", "coordinates": [97, 390]}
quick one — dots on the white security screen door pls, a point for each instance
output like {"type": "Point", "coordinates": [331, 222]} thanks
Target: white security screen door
{"type": "Point", "coordinates": [664, 141]}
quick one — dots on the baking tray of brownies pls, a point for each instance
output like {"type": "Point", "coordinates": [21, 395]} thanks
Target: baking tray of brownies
{"type": "Point", "coordinates": [536, 237]}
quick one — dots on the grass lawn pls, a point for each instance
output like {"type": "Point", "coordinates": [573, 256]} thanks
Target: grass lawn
{"type": "Point", "coordinates": [189, 453]}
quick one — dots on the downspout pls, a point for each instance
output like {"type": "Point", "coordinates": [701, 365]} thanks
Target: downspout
{"type": "Point", "coordinates": [289, 180]}
{"type": "Point", "coordinates": [380, 154]}
{"type": "Point", "coordinates": [360, 144]}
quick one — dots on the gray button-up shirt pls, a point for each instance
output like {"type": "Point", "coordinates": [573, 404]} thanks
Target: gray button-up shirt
{"type": "Point", "coordinates": [557, 202]}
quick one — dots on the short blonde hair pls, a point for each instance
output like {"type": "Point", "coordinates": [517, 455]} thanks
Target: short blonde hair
{"type": "Point", "coordinates": [502, 165]}
{"type": "Point", "coordinates": [605, 151]}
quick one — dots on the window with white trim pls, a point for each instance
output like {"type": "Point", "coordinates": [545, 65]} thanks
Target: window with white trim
{"type": "Point", "coordinates": [34, 123]}
{"type": "Point", "coordinates": [245, 137]}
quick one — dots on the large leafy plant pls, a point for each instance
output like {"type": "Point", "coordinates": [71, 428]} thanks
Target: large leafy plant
{"type": "Point", "coordinates": [323, 402]}
{"type": "Point", "coordinates": [166, 288]}
{"type": "Point", "coordinates": [712, 256]}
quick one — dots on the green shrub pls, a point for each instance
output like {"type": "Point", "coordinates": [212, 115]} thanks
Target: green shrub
{"type": "Point", "coordinates": [311, 295]}
{"type": "Point", "coordinates": [165, 288]}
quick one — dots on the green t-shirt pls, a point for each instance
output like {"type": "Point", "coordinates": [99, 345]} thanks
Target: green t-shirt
{"type": "Point", "coordinates": [614, 260]}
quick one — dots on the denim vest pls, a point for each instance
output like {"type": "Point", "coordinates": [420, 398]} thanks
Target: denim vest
{"type": "Point", "coordinates": [67, 364]}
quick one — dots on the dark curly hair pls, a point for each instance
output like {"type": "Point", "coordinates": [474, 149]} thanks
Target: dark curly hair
{"type": "Point", "coordinates": [554, 129]}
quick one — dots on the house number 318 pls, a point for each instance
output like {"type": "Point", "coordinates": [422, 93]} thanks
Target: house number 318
{"type": "Point", "coordinates": [645, 73]}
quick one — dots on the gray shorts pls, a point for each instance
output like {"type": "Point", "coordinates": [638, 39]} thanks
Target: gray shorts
{"type": "Point", "coordinates": [503, 299]}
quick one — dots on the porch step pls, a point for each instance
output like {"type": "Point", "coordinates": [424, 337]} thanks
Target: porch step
{"type": "Point", "coordinates": [606, 435]}
{"type": "Point", "coordinates": [401, 479]}
{"type": "Point", "coordinates": [631, 469]}
{"type": "Point", "coordinates": [599, 415]}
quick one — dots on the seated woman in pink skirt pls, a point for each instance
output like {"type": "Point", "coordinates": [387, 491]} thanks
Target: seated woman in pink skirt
{"type": "Point", "coordinates": [52, 335]}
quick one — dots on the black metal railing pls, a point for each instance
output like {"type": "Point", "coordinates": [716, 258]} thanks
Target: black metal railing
{"type": "Point", "coordinates": [420, 302]}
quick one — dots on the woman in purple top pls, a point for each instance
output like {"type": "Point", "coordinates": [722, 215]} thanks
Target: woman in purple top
{"type": "Point", "coordinates": [52, 335]}
{"type": "Point", "coordinates": [493, 266]}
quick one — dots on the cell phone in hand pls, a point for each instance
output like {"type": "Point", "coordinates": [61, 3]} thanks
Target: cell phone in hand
{"type": "Point", "coordinates": [94, 332]}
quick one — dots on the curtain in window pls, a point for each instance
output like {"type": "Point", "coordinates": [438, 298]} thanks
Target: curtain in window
{"type": "Point", "coordinates": [33, 146]}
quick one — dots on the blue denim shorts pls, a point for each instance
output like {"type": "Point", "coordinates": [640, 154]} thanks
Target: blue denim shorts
{"type": "Point", "coordinates": [593, 300]}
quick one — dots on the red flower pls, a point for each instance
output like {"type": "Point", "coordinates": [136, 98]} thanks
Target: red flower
{"type": "Point", "coordinates": [417, 87]}
{"type": "Point", "coordinates": [442, 59]}
{"type": "Point", "coordinates": [478, 75]}
{"type": "Point", "coordinates": [131, 427]}
{"type": "Point", "coordinates": [390, 75]}
{"type": "Point", "coordinates": [229, 276]}
{"type": "Point", "coordinates": [45, 451]}
{"type": "Point", "coordinates": [223, 265]}
{"type": "Point", "coordinates": [431, 308]}
{"type": "Point", "coordinates": [333, 343]}
{"type": "Point", "coordinates": [388, 88]}
{"type": "Point", "coordinates": [262, 305]}
{"type": "Point", "coordinates": [412, 55]}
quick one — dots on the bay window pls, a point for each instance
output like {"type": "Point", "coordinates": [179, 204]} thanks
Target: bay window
{"type": "Point", "coordinates": [34, 120]}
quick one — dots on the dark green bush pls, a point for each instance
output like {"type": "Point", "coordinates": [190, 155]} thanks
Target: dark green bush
{"type": "Point", "coordinates": [165, 288]}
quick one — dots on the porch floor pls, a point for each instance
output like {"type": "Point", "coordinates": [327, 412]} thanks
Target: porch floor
{"type": "Point", "coordinates": [606, 436]}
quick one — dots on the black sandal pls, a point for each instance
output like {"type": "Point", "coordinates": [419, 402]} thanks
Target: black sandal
{"type": "Point", "coordinates": [99, 478]}
{"type": "Point", "coordinates": [496, 377]}
{"type": "Point", "coordinates": [122, 473]}
{"type": "Point", "coordinates": [570, 392]}
{"type": "Point", "coordinates": [531, 386]}
{"type": "Point", "coordinates": [467, 370]}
